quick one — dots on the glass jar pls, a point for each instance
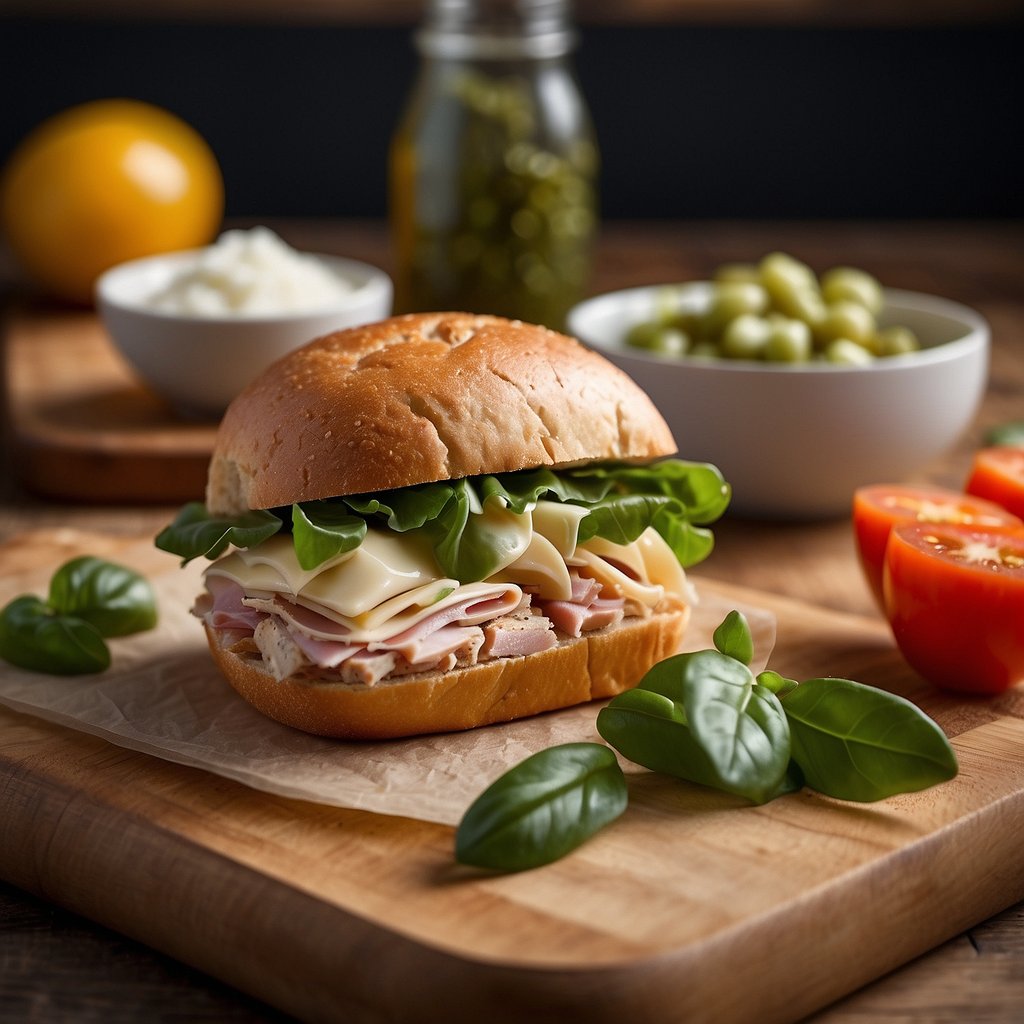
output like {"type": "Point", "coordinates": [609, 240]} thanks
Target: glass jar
{"type": "Point", "coordinates": [493, 166]}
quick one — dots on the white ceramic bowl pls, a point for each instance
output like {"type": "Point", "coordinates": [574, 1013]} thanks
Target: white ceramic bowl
{"type": "Point", "coordinates": [197, 363]}
{"type": "Point", "coordinates": [795, 441]}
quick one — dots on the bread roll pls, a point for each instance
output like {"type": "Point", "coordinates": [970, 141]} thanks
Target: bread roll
{"type": "Point", "coordinates": [425, 397]}
{"type": "Point", "coordinates": [417, 399]}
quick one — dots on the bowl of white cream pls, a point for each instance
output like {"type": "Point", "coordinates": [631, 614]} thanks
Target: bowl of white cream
{"type": "Point", "coordinates": [196, 326]}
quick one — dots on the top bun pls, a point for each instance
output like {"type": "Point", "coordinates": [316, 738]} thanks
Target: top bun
{"type": "Point", "coordinates": [424, 397]}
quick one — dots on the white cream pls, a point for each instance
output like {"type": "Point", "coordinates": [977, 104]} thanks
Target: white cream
{"type": "Point", "coordinates": [250, 273]}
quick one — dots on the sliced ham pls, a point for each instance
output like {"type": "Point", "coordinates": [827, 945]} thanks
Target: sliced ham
{"type": "Point", "coordinates": [294, 639]}
{"type": "Point", "coordinates": [305, 620]}
{"type": "Point", "coordinates": [576, 619]}
{"type": "Point", "coordinates": [427, 649]}
{"type": "Point", "coordinates": [464, 614]}
{"type": "Point", "coordinates": [516, 635]}
{"type": "Point", "coordinates": [469, 612]}
{"type": "Point", "coordinates": [324, 653]}
{"type": "Point", "coordinates": [584, 589]}
{"type": "Point", "coordinates": [367, 668]}
{"type": "Point", "coordinates": [228, 610]}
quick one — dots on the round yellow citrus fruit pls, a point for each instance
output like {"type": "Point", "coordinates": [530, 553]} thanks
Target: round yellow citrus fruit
{"type": "Point", "coordinates": [106, 182]}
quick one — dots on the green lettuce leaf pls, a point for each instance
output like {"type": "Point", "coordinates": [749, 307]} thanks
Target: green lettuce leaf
{"type": "Point", "coordinates": [323, 529]}
{"type": "Point", "coordinates": [407, 508]}
{"type": "Point", "coordinates": [195, 532]}
{"type": "Point", "coordinates": [676, 498]}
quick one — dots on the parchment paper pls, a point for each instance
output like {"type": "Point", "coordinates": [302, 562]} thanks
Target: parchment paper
{"type": "Point", "coordinates": [163, 696]}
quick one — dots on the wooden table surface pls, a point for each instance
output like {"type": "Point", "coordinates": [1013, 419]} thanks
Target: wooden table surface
{"type": "Point", "coordinates": [55, 966]}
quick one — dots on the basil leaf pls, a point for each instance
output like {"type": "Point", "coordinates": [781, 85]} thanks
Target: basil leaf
{"type": "Point", "coordinates": [740, 726]}
{"type": "Point", "coordinates": [855, 742]}
{"type": "Point", "coordinates": [323, 529]}
{"type": "Point", "coordinates": [650, 729]}
{"type": "Point", "coordinates": [33, 637]}
{"type": "Point", "coordinates": [543, 808]}
{"type": "Point", "coordinates": [195, 532]}
{"type": "Point", "coordinates": [115, 600]}
{"type": "Point", "coordinates": [732, 638]}
{"type": "Point", "coordinates": [779, 685]}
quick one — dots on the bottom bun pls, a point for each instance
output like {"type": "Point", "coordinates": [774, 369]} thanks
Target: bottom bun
{"type": "Point", "coordinates": [596, 665]}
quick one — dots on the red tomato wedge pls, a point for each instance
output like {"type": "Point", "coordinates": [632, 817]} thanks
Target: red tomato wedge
{"type": "Point", "coordinates": [997, 474]}
{"type": "Point", "coordinates": [878, 508]}
{"type": "Point", "coordinates": [954, 596]}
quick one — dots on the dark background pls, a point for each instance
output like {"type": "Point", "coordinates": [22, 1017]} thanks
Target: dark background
{"type": "Point", "coordinates": [693, 120]}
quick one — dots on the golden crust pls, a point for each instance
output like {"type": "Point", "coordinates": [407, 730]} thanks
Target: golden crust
{"type": "Point", "coordinates": [425, 397]}
{"type": "Point", "coordinates": [597, 665]}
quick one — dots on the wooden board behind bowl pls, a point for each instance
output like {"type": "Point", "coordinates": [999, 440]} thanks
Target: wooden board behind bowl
{"type": "Point", "coordinates": [83, 427]}
{"type": "Point", "coordinates": [692, 907]}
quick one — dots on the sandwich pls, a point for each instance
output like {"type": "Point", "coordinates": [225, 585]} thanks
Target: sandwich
{"type": "Point", "coordinates": [442, 521]}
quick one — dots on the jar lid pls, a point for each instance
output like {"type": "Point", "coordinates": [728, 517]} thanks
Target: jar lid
{"type": "Point", "coordinates": [496, 29]}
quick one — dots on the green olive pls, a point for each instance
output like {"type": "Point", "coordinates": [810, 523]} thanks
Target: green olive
{"type": "Point", "coordinates": [847, 284]}
{"type": "Point", "coordinates": [776, 310]}
{"type": "Point", "coordinates": [788, 342]}
{"type": "Point", "coordinates": [793, 287]}
{"type": "Point", "coordinates": [660, 338]}
{"type": "Point", "coordinates": [730, 300]}
{"type": "Point", "coordinates": [896, 341]}
{"type": "Point", "coordinates": [846, 319]}
{"type": "Point", "coordinates": [704, 350]}
{"type": "Point", "coordinates": [743, 273]}
{"type": "Point", "coordinates": [686, 320]}
{"type": "Point", "coordinates": [846, 352]}
{"type": "Point", "coordinates": [745, 337]}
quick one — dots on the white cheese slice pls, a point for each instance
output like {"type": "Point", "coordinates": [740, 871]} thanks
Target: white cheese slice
{"type": "Point", "coordinates": [540, 566]}
{"type": "Point", "coordinates": [661, 565]}
{"type": "Point", "coordinates": [616, 583]}
{"type": "Point", "coordinates": [384, 565]}
{"type": "Point", "coordinates": [263, 578]}
{"type": "Point", "coordinates": [559, 523]}
{"type": "Point", "coordinates": [628, 555]}
{"type": "Point", "coordinates": [278, 552]}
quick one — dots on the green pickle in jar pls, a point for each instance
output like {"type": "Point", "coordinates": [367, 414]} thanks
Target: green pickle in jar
{"type": "Point", "coordinates": [777, 311]}
{"type": "Point", "coordinates": [493, 210]}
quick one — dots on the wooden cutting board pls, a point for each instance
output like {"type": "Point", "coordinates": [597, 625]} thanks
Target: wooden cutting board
{"type": "Point", "coordinates": [83, 427]}
{"type": "Point", "coordinates": [692, 907]}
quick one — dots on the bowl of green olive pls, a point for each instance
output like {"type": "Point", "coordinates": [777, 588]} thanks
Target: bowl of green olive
{"type": "Point", "coordinates": [799, 388]}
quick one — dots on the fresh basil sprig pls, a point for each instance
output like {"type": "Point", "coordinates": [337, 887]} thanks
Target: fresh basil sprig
{"type": "Point", "coordinates": [705, 718]}
{"type": "Point", "coordinates": [738, 734]}
{"type": "Point", "coordinates": [677, 498]}
{"type": "Point", "coordinates": [543, 808]}
{"type": "Point", "coordinates": [713, 725]}
{"type": "Point", "coordinates": [89, 599]}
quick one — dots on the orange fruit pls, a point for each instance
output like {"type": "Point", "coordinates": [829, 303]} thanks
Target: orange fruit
{"type": "Point", "coordinates": [102, 183]}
